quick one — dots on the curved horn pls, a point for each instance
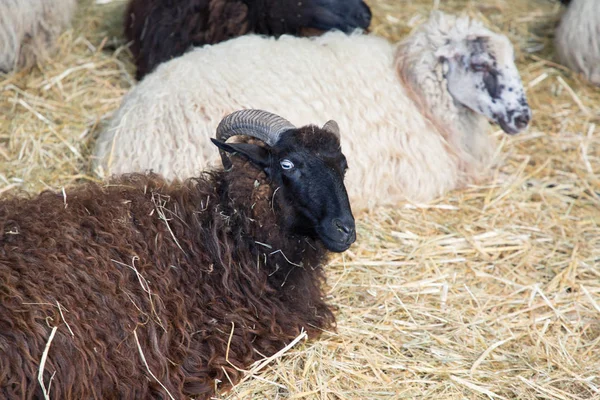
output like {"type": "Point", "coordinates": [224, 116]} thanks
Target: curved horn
{"type": "Point", "coordinates": [333, 127]}
{"type": "Point", "coordinates": [260, 124]}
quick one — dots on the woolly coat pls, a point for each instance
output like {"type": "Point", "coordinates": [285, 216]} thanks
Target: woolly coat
{"type": "Point", "coordinates": [29, 29]}
{"type": "Point", "coordinates": [181, 268]}
{"type": "Point", "coordinates": [403, 134]}
{"type": "Point", "coordinates": [577, 38]}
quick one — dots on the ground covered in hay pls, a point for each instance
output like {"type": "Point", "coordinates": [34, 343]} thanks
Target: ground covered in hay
{"type": "Point", "coordinates": [490, 292]}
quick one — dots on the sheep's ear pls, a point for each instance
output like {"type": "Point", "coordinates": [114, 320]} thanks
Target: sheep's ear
{"type": "Point", "coordinates": [258, 155]}
{"type": "Point", "coordinates": [446, 52]}
{"type": "Point", "coordinates": [480, 38]}
{"type": "Point", "coordinates": [332, 127]}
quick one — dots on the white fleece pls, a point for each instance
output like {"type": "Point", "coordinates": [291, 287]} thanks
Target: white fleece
{"type": "Point", "coordinates": [578, 38]}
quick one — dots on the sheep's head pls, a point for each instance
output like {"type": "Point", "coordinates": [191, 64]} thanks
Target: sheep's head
{"type": "Point", "coordinates": [483, 77]}
{"type": "Point", "coordinates": [295, 16]}
{"type": "Point", "coordinates": [306, 167]}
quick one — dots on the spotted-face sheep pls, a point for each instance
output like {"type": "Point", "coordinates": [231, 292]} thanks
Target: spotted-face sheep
{"type": "Point", "coordinates": [163, 29]}
{"type": "Point", "coordinates": [140, 286]}
{"type": "Point", "coordinates": [414, 114]}
{"type": "Point", "coordinates": [577, 38]}
{"type": "Point", "coordinates": [29, 28]}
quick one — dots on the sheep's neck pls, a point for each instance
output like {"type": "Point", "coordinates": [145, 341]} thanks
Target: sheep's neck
{"type": "Point", "coordinates": [422, 77]}
{"type": "Point", "coordinates": [266, 235]}
{"type": "Point", "coordinates": [289, 265]}
{"type": "Point", "coordinates": [454, 121]}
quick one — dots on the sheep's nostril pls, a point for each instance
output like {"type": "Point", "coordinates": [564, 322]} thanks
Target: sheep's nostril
{"type": "Point", "coordinates": [521, 121]}
{"type": "Point", "coordinates": [346, 230]}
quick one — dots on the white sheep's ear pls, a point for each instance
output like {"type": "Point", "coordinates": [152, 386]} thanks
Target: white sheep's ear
{"type": "Point", "coordinates": [478, 38]}
{"type": "Point", "coordinates": [446, 52]}
{"type": "Point", "coordinates": [333, 127]}
{"type": "Point", "coordinates": [436, 16]}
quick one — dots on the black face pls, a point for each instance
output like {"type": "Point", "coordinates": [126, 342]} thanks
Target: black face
{"type": "Point", "coordinates": [291, 16]}
{"type": "Point", "coordinates": [307, 167]}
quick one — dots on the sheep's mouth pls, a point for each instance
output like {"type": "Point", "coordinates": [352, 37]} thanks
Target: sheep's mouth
{"type": "Point", "coordinates": [514, 121]}
{"type": "Point", "coordinates": [335, 244]}
{"type": "Point", "coordinates": [506, 127]}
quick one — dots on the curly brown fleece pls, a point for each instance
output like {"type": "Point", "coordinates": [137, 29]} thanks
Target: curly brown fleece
{"type": "Point", "coordinates": [170, 263]}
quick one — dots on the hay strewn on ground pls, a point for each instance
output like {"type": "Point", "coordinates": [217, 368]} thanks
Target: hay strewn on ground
{"type": "Point", "coordinates": [490, 292]}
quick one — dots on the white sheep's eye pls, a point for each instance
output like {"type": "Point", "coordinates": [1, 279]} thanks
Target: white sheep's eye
{"type": "Point", "coordinates": [286, 164]}
{"type": "Point", "coordinates": [477, 67]}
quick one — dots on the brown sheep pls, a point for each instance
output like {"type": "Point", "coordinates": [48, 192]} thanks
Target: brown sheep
{"type": "Point", "coordinates": [142, 288]}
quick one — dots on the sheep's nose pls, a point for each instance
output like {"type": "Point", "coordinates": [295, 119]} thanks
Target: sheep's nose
{"type": "Point", "coordinates": [361, 17]}
{"type": "Point", "coordinates": [346, 230]}
{"type": "Point", "coordinates": [522, 120]}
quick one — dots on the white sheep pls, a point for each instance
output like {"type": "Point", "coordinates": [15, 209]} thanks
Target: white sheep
{"type": "Point", "coordinates": [29, 29]}
{"type": "Point", "coordinates": [414, 114]}
{"type": "Point", "coordinates": [577, 39]}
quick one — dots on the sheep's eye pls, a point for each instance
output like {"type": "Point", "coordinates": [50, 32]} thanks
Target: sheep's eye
{"type": "Point", "coordinates": [286, 164]}
{"type": "Point", "coordinates": [478, 67]}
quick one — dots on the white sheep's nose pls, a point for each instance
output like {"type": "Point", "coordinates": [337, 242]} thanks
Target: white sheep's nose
{"type": "Point", "coordinates": [521, 121]}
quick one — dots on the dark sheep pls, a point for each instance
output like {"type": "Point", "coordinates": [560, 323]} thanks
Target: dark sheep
{"type": "Point", "coordinates": [163, 29]}
{"type": "Point", "coordinates": [142, 288]}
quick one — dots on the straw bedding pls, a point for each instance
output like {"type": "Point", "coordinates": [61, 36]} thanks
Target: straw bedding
{"type": "Point", "coordinates": [489, 292]}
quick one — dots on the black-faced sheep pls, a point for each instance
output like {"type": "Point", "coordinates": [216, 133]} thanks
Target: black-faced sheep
{"type": "Point", "coordinates": [143, 287]}
{"type": "Point", "coordinates": [414, 114]}
{"type": "Point", "coordinates": [577, 38]}
{"type": "Point", "coordinates": [29, 28]}
{"type": "Point", "coordinates": [163, 29]}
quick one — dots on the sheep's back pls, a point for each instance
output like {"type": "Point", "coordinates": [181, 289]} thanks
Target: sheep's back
{"type": "Point", "coordinates": [105, 257]}
{"type": "Point", "coordinates": [73, 261]}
